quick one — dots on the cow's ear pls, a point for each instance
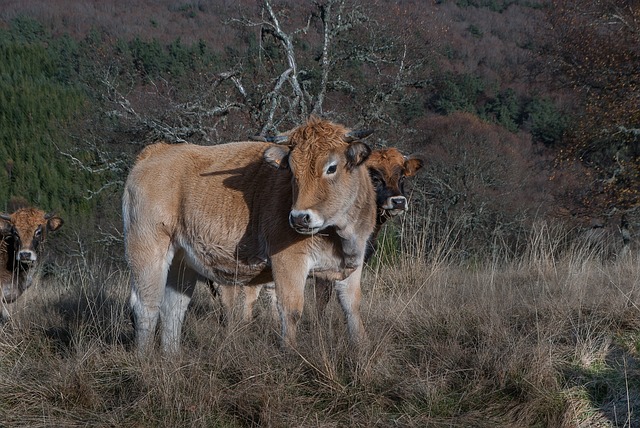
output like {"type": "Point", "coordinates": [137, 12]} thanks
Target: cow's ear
{"type": "Point", "coordinates": [412, 165]}
{"type": "Point", "coordinates": [277, 156]}
{"type": "Point", "coordinates": [5, 224]}
{"type": "Point", "coordinates": [357, 153]}
{"type": "Point", "coordinates": [54, 223]}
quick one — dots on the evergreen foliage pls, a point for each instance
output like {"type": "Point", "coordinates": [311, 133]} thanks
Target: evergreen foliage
{"type": "Point", "coordinates": [50, 89]}
{"type": "Point", "coordinates": [469, 93]}
{"type": "Point", "coordinates": [37, 102]}
{"type": "Point", "coordinates": [46, 86]}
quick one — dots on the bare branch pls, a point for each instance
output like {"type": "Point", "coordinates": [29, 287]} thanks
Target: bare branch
{"type": "Point", "coordinates": [287, 43]}
{"type": "Point", "coordinates": [274, 95]}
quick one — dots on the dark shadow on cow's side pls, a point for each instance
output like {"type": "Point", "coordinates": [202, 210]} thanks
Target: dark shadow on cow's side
{"type": "Point", "coordinates": [253, 181]}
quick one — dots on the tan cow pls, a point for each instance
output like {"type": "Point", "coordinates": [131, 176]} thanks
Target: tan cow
{"type": "Point", "coordinates": [388, 169]}
{"type": "Point", "coordinates": [22, 234]}
{"type": "Point", "coordinates": [224, 213]}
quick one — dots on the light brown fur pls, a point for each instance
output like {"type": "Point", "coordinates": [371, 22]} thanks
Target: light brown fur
{"type": "Point", "coordinates": [22, 234]}
{"type": "Point", "coordinates": [224, 214]}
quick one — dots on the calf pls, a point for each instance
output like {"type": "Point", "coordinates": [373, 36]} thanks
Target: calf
{"type": "Point", "coordinates": [247, 213]}
{"type": "Point", "coordinates": [22, 234]}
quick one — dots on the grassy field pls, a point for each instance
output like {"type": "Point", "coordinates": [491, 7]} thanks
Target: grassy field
{"type": "Point", "coordinates": [536, 340]}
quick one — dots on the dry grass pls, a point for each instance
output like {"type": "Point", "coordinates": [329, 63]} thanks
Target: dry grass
{"type": "Point", "coordinates": [533, 341]}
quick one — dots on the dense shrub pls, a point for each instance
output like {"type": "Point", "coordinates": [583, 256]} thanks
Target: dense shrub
{"type": "Point", "coordinates": [481, 178]}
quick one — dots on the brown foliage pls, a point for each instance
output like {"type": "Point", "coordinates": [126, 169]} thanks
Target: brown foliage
{"type": "Point", "coordinates": [597, 50]}
{"type": "Point", "coordinates": [483, 177]}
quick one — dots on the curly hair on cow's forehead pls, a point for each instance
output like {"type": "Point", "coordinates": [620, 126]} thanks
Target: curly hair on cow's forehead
{"type": "Point", "coordinates": [318, 132]}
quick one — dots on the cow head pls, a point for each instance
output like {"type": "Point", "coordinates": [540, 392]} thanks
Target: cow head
{"type": "Point", "coordinates": [326, 162]}
{"type": "Point", "coordinates": [388, 169]}
{"type": "Point", "coordinates": [25, 230]}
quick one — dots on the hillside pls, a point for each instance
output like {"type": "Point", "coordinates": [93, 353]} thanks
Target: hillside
{"type": "Point", "coordinates": [506, 296]}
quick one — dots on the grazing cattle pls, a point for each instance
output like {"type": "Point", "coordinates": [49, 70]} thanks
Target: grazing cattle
{"type": "Point", "coordinates": [247, 213]}
{"type": "Point", "coordinates": [388, 169]}
{"type": "Point", "coordinates": [22, 234]}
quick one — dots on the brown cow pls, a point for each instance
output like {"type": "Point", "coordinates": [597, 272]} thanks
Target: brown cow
{"type": "Point", "coordinates": [22, 234]}
{"type": "Point", "coordinates": [224, 213]}
{"type": "Point", "coordinates": [388, 169]}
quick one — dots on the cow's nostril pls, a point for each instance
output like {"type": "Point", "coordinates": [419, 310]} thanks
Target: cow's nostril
{"type": "Point", "coordinates": [25, 255]}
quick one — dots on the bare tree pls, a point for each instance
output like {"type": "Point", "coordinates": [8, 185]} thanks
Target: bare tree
{"type": "Point", "coordinates": [293, 96]}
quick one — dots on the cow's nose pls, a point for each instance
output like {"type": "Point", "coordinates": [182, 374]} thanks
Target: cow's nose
{"type": "Point", "coordinates": [25, 256]}
{"type": "Point", "coordinates": [301, 220]}
{"type": "Point", "coordinates": [399, 203]}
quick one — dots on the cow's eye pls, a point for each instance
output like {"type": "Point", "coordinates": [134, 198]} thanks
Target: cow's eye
{"type": "Point", "coordinates": [377, 181]}
{"type": "Point", "coordinates": [332, 169]}
{"type": "Point", "coordinates": [38, 233]}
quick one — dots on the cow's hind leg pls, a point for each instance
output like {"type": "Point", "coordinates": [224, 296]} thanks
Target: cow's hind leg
{"type": "Point", "coordinates": [181, 283]}
{"type": "Point", "coordinates": [349, 295]}
{"type": "Point", "coordinates": [251, 294]}
{"type": "Point", "coordinates": [229, 295]}
{"type": "Point", "coordinates": [149, 267]}
{"type": "Point", "coordinates": [323, 290]}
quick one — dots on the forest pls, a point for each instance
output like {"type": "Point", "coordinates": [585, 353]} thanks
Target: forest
{"type": "Point", "coordinates": [527, 116]}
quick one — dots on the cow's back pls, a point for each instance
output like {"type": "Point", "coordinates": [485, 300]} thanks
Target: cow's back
{"type": "Point", "coordinates": [216, 203]}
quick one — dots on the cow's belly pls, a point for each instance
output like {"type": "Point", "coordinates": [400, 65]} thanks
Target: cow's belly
{"type": "Point", "coordinates": [223, 267]}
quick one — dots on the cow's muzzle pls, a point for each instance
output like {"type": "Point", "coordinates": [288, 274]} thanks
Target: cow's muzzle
{"type": "Point", "coordinates": [26, 257]}
{"type": "Point", "coordinates": [395, 205]}
{"type": "Point", "coordinates": [303, 222]}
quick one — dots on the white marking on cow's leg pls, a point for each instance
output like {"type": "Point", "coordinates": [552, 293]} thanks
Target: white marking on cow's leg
{"type": "Point", "coordinates": [148, 281]}
{"type": "Point", "coordinates": [181, 282]}
{"type": "Point", "coordinates": [145, 319]}
{"type": "Point", "coordinates": [349, 295]}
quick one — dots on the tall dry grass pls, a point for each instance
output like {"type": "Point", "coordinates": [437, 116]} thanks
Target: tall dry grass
{"type": "Point", "coordinates": [547, 338]}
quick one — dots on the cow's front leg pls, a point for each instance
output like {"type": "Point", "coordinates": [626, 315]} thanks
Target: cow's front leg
{"type": "Point", "coordinates": [349, 295]}
{"type": "Point", "coordinates": [289, 281]}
